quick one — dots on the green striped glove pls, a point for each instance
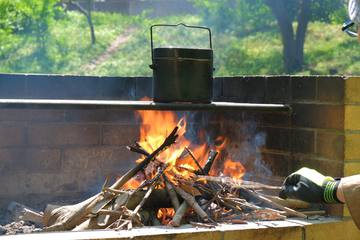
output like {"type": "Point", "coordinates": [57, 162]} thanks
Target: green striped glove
{"type": "Point", "coordinates": [311, 186]}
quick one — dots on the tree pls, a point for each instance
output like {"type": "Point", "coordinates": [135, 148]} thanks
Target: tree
{"type": "Point", "coordinates": [29, 19]}
{"type": "Point", "coordinates": [87, 12]}
{"type": "Point", "coordinates": [293, 41]}
{"type": "Point", "coordinates": [241, 17]}
{"type": "Point", "coordinates": [28, 16]}
{"type": "Point", "coordinates": [247, 16]}
{"type": "Point", "coordinates": [301, 11]}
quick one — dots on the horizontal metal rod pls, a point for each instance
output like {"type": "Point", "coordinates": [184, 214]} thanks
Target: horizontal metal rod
{"type": "Point", "coordinates": [142, 105]}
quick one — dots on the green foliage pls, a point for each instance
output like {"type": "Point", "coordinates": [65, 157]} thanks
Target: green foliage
{"type": "Point", "coordinates": [328, 10]}
{"type": "Point", "coordinates": [30, 19]}
{"type": "Point", "coordinates": [27, 16]}
{"type": "Point", "coordinates": [67, 49]}
{"type": "Point", "coordinates": [244, 17]}
{"type": "Point", "coordinates": [241, 17]}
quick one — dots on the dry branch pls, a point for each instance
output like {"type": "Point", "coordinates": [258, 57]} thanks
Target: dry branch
{"type": "Point", "coordinates": [204, 225]}
{"type": "Point", "coordinates": [290, 203]}
{"type": "Point", "coordinates": [67, 217]}
{"type": "Point", "coordinates": [265, 200]}
{"type": "Point", "coordinates": [201, 170]}
{"type": "Point", "coordinates": [167, 142]}
{"type": "Point", "coordinates": [138, 149]}
{"type": "Point", "coordinates": [179, 214]}
{"type": "Point", "coordinates": [20, 212]}
{"type": "Point", "coordinates": [212, 156]}
{"type": "Point", "coordinates": [234, 183]}
{"type": "Point", "coordinates": [190, 199]}
{"type": "Point", "coordinates": [172, 194]}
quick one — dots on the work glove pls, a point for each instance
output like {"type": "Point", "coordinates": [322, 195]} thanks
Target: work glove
{"type": "Point", "coordinates": [311, 186]}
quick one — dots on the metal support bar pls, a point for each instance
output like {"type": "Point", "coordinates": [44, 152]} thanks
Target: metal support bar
{"type": "Point", "coordinates": [142, 105]}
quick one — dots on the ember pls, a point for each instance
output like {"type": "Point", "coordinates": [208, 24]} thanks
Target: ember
{"type": "Point", "coordinates": [173, 183]}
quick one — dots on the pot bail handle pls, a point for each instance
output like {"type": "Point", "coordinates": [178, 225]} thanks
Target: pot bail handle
{"type": "Point", "coordinates": [176, 25]}
{"type": "Point", "coordinates": [346, 28]}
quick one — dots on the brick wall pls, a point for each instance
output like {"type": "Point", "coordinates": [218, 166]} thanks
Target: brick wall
{"type": "Point", "coordinates": [47, 154]}
{"type": "Point", "coordinates": [314, 133]}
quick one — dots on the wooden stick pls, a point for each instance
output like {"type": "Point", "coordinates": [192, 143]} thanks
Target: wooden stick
{"type": "Point", "coordinates": [195, 160]}
{"type": "Point", "coordinates": [132, 172]}
{"type": "Point", "coordinates": [275, 205]}
{"type": "Point", "coordinates": [179, 214]}
{"type": "Point", "coordinates": [167, 142]}
{"type": "Point", "coordinates": [67, 217]}
{"type": "Point", "coordinates": [172, 194]}
{"type": "Point", "coordinates": [236, 221]}
{"type": "Point", "coordinates": [137, 148]}
{"type": "Point", "coordinates": [212, 156]}
{"type": "Point", "coordinates": [136, 210]}
{"type": "Point", "coordinates": [110, 212]}
{"type": "Point", "coordinates": [315, 212]}
{"type": "Point", "coordinates": [204, 225]}
{"type": "Point", "coordinates": [190, 199]}
{"type": "Point", "coordinates": [184, 205]}
{"type": "Point", "coordinates": [290, 203]}
{"type": "Point", "coordinates": [30, 215]}
{"type": "Point", "coordinates": [234, 183]}
{"type": "Point", "coordinates": [286, 209]}
{"type": "Point", "coordinates": [154, 182]}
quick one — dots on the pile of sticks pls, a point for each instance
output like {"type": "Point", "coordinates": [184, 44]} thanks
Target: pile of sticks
{"type": "Point", "coordinates": [195, 198]}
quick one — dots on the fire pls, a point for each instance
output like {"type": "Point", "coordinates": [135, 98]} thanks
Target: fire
{"type": "Point", "coordinates": [234, 169]}
{"type": "Point", "coordinates": [132, 184]}
{"type": "Point", "coordinates": [155, 127]}
{"type": "Point", "coordinates": [165, 215]}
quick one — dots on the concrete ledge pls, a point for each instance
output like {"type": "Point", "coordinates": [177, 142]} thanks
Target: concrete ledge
{"type": "Point", "coordinates": [292, 229]}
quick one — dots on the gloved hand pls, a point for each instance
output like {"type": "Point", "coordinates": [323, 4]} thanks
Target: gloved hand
{"type": "Point", "coordinates": [311, 186]}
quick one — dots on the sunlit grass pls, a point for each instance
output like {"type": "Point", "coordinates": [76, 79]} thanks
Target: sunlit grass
{"type": "Point", "coordinates": [68, 48]}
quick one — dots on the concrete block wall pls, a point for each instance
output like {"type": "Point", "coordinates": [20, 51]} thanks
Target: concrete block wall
{"type": "Point", "coordinates": [66, 154]}
{"type": "Point", "coordinates": [47, 154]}
{"type": "Point", "coordinates": [313, 135]}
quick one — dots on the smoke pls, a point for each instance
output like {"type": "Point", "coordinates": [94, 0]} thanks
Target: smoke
{"type": "Point", "coordinates": [246, 144]}
{"type": "Point", "coordinates": [245, 140]}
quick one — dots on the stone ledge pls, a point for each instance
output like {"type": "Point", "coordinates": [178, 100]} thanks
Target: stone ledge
{"type": "Point", "coordinates": [294, 229]}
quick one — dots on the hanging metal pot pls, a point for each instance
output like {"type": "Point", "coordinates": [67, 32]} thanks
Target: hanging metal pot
{"type": "Point", "coordinates": [182, 74]}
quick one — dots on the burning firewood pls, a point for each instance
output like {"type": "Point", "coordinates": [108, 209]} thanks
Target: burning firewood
{"type": "Point", "coordinates": [171, 173]}
{"type": "Point", "coordinates": [68, 217]}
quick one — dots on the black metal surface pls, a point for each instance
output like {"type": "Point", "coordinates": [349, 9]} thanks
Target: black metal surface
{"type": "Point", "coordinates": [182, 74]}
{"type": "Point", "coordinates": [177, 79]}
{"type": "Point", "coordinates": [142, 105]}
{"type": "Point", "coordinates": [184, 53]}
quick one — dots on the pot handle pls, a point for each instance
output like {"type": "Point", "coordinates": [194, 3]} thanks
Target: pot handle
{"type": "Point", "coordinates": [175, 25]}
{"type": "Point", "coordinates": [346, 28]}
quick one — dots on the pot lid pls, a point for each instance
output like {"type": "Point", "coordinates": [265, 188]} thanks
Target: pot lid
{"type": "Point", "coordinates": [196, 53]}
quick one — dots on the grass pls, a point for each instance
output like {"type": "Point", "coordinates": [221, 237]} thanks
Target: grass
{"type": "Point", "coordinates": [68, 50]}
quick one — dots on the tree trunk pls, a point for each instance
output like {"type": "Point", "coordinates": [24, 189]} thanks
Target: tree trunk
{"type": "Point", "coordinates": [91, 25]}
{"type": "Point", "coordinates": [293, 43]}
{"type": "Point", "coordinates": [303, 21]}
{"type": "Point", "coordinates": [87, 13]}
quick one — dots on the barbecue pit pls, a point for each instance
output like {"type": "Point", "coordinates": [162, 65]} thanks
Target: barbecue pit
{"type": "Point", "coordinates": [68, 132]}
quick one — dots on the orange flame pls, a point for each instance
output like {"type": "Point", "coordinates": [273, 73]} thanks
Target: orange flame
{"type": "Point", "coordinates": [155, 127]}
{"type": "Point", "coordinates": [233, 169]}
{"type": "Point", "coordinates": [165, 215]}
